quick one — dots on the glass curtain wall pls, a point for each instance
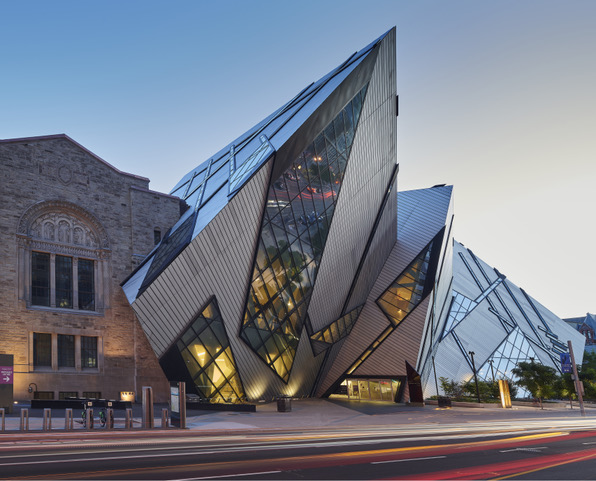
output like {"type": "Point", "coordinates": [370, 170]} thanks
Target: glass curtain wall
{"type": "Point", "coordinates": [300, 206]}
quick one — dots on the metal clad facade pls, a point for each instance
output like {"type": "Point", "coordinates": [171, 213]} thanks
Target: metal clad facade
{"type": "Point", "coordinates": [369, 169]}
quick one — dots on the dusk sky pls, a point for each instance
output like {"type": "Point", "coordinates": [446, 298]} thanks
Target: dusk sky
{"type": "Point", "coordinates": [496, 98]}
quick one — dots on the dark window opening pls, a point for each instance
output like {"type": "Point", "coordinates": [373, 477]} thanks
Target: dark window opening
{"type": "Point", "coordinates": [42, 349]}
{"type": "Point", "coordinates": [40, 279]}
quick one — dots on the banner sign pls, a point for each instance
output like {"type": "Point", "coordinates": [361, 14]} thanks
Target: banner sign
{"type": "Point", "coordinates": [566, 366]}
{"type": "Point", "coordinates": [6, 374]}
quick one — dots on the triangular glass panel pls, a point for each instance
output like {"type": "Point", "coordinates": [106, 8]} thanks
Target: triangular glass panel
{"type": "Point", "coordinates": [404, 295]}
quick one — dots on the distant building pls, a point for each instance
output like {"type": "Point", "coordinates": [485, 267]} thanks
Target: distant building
{"type": "Point", "coordinates": [72, 227]}
{"type": "Point", "coordinates": [586, 325]}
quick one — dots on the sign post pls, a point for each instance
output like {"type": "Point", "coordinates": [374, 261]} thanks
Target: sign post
{"type": "Point", "coordinates": [178, 404]}
{"type": "Point", "coordinates": [6, 382]}
{"type": "Point", "coordinates": [578, 383]}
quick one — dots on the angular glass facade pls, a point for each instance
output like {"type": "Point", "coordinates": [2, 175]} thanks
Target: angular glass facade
{"type": "Point", "coordinates": [460, 306]}
{"type": "Point", "coordinates": [515, 349]}
{"type": "Point", "coordinates": [407, 290]}
{"type": "Point", "coordinates": [298, 214]}
{"type": "Point", "coordinates": [335, 331]}
{"type": "Point", "coordinates": [205, 350]}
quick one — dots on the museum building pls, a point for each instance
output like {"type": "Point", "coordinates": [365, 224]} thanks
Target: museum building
{"type": "Point", "coordinates": [72, 227]}
{"type": "Point", "coordinates": [298, 269]}
{"type": "Point", "coordinates": [293, 267]}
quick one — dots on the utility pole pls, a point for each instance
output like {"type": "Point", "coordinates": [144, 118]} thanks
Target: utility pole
{"type": "Point", "coordinates": [471, 353]}
{"type": "Point", "coordinates": [578, 384]}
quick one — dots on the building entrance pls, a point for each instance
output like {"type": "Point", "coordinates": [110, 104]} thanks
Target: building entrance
{"type": "Point", "coordinates": [372, 389]}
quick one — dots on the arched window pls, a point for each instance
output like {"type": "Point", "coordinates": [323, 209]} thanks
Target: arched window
{"type": "Point", "coordinates": [63, 256]}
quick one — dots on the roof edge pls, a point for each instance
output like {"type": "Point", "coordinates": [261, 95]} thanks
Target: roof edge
{"type": "Point", "coordinates": [66, 137]}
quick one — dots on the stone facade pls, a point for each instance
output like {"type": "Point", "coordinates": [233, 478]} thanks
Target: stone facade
{"type": "Point", "coordinates": [62, 202]}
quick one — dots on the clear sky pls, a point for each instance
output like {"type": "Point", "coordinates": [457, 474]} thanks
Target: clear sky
{"type": "Point", "coordinates": [497, 98]}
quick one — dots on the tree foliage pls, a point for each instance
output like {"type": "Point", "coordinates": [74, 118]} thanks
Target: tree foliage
{"type": "Point", "coordinates": [536, 378]}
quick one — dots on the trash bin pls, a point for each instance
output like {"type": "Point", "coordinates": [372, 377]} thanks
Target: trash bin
{"type": "Point", "coordinates": [284, 404]}
{"type": "Point", "coordinates": [444, 402]}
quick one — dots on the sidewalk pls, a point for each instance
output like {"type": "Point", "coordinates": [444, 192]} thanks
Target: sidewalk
{"type": "Point", "coordinates": [325, 413]}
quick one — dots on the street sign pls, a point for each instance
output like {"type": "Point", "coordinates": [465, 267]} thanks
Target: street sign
{"type": "Point", "coordinates": [6, 374]}
{"type": "Point", "coordinates": [566, 365]}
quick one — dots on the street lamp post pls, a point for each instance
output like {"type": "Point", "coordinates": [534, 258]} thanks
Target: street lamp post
{"type": "Point", "coordinates": [492, 370]}
{"type": "Point", "coordinates": [471, 353]}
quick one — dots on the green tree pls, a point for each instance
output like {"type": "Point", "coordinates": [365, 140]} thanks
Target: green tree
{"type": "Point", "coordinates": [587, 374]}
{"type": "Point", "coordinates": [565, 388]}
{"type": "Point", "coordinates": [451, 388]}
{"type": "Point", "coordinates": [536, 378]}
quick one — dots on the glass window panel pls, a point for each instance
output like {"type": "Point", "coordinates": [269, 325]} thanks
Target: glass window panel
{"type": "Point", "coordinates": [191, 363]}
{"type": "Point", "coordinates": [40, 279]}
{"type": "Point", "coordinates": [86, 284]}
{"type": "Point", "coordinates": [63, 281]}
{"type": "Point", "coordinates": [42, 349]}
{"type": "Point", "coordinates": [89, 352]}
{"type": "Point", "coordinates": [66, 351]}
{"type": "Point", "coordinates": [199, 352]}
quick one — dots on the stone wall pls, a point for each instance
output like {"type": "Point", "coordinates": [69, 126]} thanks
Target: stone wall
{"type": "Point", "coordinates": [88, 209]}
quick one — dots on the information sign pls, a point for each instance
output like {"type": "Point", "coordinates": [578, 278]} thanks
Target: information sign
{"type": "Point", "coordinates": [6, 374]}
{"type": "Point", "coordinates": [566, 366]}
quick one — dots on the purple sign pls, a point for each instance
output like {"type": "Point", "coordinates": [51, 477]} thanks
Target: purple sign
{"type": "Point", "coordinates": [566, 365]}
{"type": "Point", "coordinates": [5, 374]}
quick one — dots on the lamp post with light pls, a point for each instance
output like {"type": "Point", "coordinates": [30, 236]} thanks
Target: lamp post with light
{"type": "Point", "coordinates": [471, 353]}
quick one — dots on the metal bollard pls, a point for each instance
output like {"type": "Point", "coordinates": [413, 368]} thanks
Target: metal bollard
{"type": "Point", "coordinates": [148, 416]}
{"type": "Point", "coordinates": [3, 425]}
{"type": "Point", "coordinates": [89, 418]}
{"type": "Point", "coordinates": [47, 419]}
{"type": "Point", "coordinates": [109, 418]}
{"type": "Point", "coordinates": [164, 418]}
{"type": "Point", "coordinates": [128, 419]}
{"type": "Point", "coordinates": [68, 419]}
{"type": "Point", "coordinates": [24, 419]}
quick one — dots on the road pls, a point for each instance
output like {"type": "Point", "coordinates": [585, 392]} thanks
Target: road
{"type": "Point", "coordinates": [563, 450]}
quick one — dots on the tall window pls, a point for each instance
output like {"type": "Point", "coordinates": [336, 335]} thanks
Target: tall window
{"type": "Point", "coordinates": [64, 251]}
{"type": "Point", "coordinates": [42, 349]}
{"type": "Point", "coordinates": [66, 351]}
{"type": "Point", "coordinates": [70, 275]}
{"type": "Point", "coordinates": [86, 274]}
{"type": "Point", "coordinates": [156, 236]}
{"type": "Point", "coordinates": [88, 352]}
{"type": "Point", "coordinates": [40, 279]}
{"type": "Point", "coordinates": [64, 282]}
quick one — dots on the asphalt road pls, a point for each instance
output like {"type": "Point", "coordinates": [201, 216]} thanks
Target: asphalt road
{"type": "Point", "coordinates": [480, 451]}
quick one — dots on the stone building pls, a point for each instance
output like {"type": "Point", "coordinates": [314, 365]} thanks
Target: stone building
{"type": "Point", "coordinates": [72, 228]}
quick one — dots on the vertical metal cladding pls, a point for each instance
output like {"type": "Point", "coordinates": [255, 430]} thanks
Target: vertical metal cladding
{"type": "Point", "coordinates": [370, 167]}
{"type": "Point", "coordinates": [216, 263]}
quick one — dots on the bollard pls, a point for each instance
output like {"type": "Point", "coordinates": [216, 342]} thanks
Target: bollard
{"type": "Point", "coordinates": [68, 419]}
{"type": "Point", "coordinates": [164, 418]}
{"type": "Point", "coordinates": [89, 418]}
{"type": "Point", "coordinates": [3, 425]}
{"type": "Point", "coordinates": [24, 419]}
{"type": "Point", "coordinates": [148, 416]}
{"type": "Point", "coordinates": [128, 419]}
{"type": "Point", "coordinates": [109, 418]}
{"type": "Point", "coordinates": [47, 419]}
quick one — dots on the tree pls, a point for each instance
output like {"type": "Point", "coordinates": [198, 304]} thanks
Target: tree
{"type": "Point", "coordinates": [536, 378]}
{"type": "Point", "coordinates": [565, 387]}
{"type": "Point", "coordinates": [451, 388]}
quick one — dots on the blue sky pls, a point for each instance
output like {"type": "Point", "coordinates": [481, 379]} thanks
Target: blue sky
{"type": "Point", "coordinates": [496, 98]}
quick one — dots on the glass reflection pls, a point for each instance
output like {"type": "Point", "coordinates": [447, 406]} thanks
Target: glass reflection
{"type": "Point", "coordinates": [298, 214]}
